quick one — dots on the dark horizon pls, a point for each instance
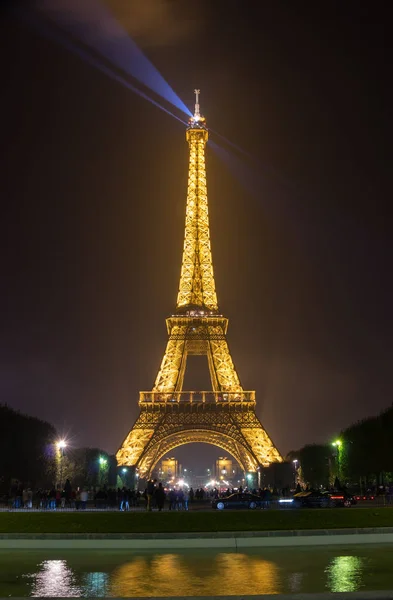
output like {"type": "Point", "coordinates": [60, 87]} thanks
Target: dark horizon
{"type": "Point", "coordinates": [95, 179]}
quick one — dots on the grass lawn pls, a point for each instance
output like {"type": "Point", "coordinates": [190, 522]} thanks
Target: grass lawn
{"type": "Point", "coordinates": [143, 522]}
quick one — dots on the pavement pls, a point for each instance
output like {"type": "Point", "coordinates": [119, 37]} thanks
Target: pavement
{"type": "Point", "coordinates": [195, 506]}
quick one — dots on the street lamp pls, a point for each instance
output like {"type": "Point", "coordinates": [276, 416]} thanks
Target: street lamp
{"type": "Point", "coordinates": [337, 444]}
{"type": "Point", "coordinates": [61, 446]}
{"type": "Point", "coordinates": [124, 470]}
{"type": "Point", "coordinates": [102, 462]}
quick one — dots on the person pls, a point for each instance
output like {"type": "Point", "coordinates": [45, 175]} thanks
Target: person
{"type": "Point", "coordinates": [126, 499]}
{"type": "Point", "coordinates": [58, 497]}
{"type": "Point", "coordinates": [67, 491]}
{"type": "Point", "coordinates": [84, 498]}
{"type": "Point", "coordinates": [390, 494]}
{"type": "Point", "coordinates": [160, 497]}
{"type": "Point", "coordinates": [172, 499]}
{"type": "Point", "coordinates": [267, 497]}
{"type": "Point", "coordinates": [52, 498]}
{"type": "Point", "coordinates": [179, 499]}
{"type": "Point", "coordinates": [192, 495]}
{"type": "Point", "coordinates": [151, 488]}
{"type": "Point", "coordinates": [120, 496]}
{"type": "Point", "coordinates": [78, 499]}
{"type": "Point", "coordinates": [186, 497]}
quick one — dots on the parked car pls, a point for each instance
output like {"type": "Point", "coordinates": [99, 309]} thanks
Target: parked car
{"type": "Point", "coordinates": [319, 499]}
{"type": "Point", "coordinates": [239, 500]}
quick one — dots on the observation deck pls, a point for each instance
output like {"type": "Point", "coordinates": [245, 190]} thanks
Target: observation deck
{"type": "Point", "coordinates": [194, 400]}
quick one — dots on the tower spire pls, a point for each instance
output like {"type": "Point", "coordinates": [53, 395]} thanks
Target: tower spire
{"type": "Point", "coordinates": [197, 287]}
{"type": "Point", "coordinates": [197, 114]}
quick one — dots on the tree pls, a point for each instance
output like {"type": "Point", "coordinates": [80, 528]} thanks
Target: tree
{"type": "Point", "coordinates": [27, 449]}
{"type": "Point", "coordinates": [86, 467]}
{"type": "Point", "coordinates": [314, 464]}
{"type": "Point", "coordinates": [368, 447]}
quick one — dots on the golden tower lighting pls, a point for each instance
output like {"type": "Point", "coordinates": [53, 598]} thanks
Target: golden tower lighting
{"type": "Point", "coordinates": [225, 415]}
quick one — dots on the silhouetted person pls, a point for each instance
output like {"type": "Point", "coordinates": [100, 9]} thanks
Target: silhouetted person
{"type": "Point", "coordinates": [160, 497]}
{"type": "Point", "coordinates": [151, 487]}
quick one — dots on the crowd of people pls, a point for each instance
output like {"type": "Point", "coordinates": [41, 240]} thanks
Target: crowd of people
{"type": "Point", "coordinates": [155, 496]}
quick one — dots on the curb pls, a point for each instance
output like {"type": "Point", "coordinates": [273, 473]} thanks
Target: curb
{"type": "Point", "coordinates": [231, 540]}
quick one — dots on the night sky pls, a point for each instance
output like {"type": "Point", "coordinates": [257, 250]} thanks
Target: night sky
{"type": "Point", "coordinates": [93, 186]}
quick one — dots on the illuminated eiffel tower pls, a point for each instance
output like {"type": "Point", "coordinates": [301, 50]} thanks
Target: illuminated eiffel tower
{"type": "Point", "coordinates": [225, 416]}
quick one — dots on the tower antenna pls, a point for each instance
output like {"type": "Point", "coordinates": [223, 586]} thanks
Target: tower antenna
{"type": "Point", "coordinates": [197, 114]}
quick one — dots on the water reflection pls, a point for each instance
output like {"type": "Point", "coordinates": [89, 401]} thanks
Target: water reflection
{"type": "Point", "coordinates": [195, 573]}
{"type": "Point", "coordinates": [176, 575]}
{"type": "Point", "coordinates": [96, 585]}
{"type": "Point", "coordinates": [344, 574]}
{"type": "Point", "coordinates": [295, 582]}
{"type": "Point", "coordinates": [55, 578]}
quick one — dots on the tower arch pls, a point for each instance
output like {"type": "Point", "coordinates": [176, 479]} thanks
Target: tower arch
{"type": "Point", "coordinates": [157, 451]}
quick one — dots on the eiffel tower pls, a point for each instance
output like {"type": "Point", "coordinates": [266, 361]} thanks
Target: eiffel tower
{"type": "Point", "coordinates": [224, 416]}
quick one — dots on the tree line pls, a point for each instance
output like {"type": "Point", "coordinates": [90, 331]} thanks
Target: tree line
{"type": "Point", "coordinates": [362, 453]}
{"type": "Point", "coordinates": [29, 455]}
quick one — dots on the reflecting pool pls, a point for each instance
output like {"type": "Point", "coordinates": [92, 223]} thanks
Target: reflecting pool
{"type": "Point", "coordinates": [195, 573]}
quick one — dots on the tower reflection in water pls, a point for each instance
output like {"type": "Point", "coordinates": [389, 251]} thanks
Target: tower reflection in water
{"type": "Point", "coordinates": [177, 575]}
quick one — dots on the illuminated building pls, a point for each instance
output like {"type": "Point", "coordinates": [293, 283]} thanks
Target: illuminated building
{"type": "Point", "coordinates": [169, 467]}
{"type": "Point", "coordinates": [225, 415]}
{"type": "Point", "coordinates": [226, 469]}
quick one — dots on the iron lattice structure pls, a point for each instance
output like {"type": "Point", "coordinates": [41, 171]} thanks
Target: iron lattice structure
{"type": "Point", "coordinates": [225, 416]}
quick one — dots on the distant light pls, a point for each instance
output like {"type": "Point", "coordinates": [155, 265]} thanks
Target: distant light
{"type": "Point", "coordinates": [124, 470]}
{"type": "Point", "coordinates": [61, 444]}
{"type": "Point", "coordinates": [295, 461]}
{"type": "Point", "coordinates": [102, 460]}
{"type": "Point", "coordinates": [337, 443]}
{"type": "Point", "coordinates": [249, 476]}
{"type": "Point", "coordinates": [285, 500]}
